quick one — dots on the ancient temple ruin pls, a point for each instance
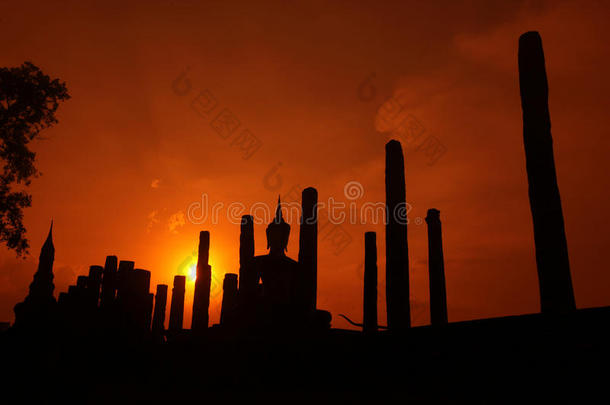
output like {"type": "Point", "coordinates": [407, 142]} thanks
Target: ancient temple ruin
{"type": "Point", "coordinates": [275, 292]}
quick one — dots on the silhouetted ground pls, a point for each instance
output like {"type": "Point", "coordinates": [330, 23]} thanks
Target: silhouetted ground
{"type": "Point", "coordinates": [506, 360]}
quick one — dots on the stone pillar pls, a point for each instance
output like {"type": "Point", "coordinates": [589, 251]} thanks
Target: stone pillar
{"type": "Point", "coordinates": [81, 282]}
{"type": "Point", "coordinates": [134, 299]}
{"type": "Point", "coordinates": [229, 297]}
{"type": "Point", "coordinates": [397, 253]}
{"type": "Point", "coordinates": [73, 307]}
{"type": "Point", "coordinates": [123, 274]}
{"type": "Point", "coordinates": [246, 253]}
{"type": "Point", "coordinates": [140, 298]}
{"type": "Point", "coordinates": [125, 267]}
{"type": "Point", "coordinates": [81, 301]}
{"type": "Point", "coordinates": [94, 282]}
{"type": "Point", "coordinates": [149, 301]}
{"type": "Point", "coordinates": [201, 299]}
{"type": "Point", "coordinates": [176, 310]}
{"type": "Point", "coordinates": [369, 323]}
{"type": "Point", "coordinates": [308, 250]}
{"type": "Point", "coordinates": [436, 269]}
{"type": "Point", "coordinates": [73, 292]}
{"type": "Point", "coordinates": [109, 281]}
{"type": "Point", "coordinates": [158, 324]}
{"type": "Point", "coordinates": [555, 282]}
{"type": "Point", "coordinates": [141, 281]}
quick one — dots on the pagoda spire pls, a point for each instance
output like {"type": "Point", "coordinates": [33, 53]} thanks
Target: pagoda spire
{"type": "Point", "coordinates": [47, 253]}
{"type": "Point", "coordinates": [42, 285]}
{"type": "Point", "coordinates": [278, 211]}
{"type": "Point", "coordinates": [278, 232]}
{"type": "Point", "coordinates": [37, 310]}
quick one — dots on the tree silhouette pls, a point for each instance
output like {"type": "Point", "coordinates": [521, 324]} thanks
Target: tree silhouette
{"type": "Point", "coordinates": [28, 101]}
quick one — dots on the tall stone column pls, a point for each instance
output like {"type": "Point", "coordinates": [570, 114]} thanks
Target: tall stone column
{"type": "Point", "coordinates": [436, 269]}
{"type": "Point", "coordinates": [229, 297]}
{"type": "Point", "coordinates": [397, 253]}
{"type": "Point", "coordinates": [308, 249]}
{"type": "Point", "coordinates": [246, 253]}
{"type": "Point", "coordinates": [109, 281]}
{"type": "Point", "coordinates": [201, 299]}
{"type": "Point", "coordinates": [555, 281]}
{"type": "Point", "coordinates": [158, 324]}
{"type": "Point", "coordinates": [176, 310]}
{"type": "Point", "coordinates": [370, 283]}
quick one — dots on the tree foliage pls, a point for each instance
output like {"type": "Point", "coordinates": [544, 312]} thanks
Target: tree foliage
{"type": "Point", "coordinates": [28, 102]}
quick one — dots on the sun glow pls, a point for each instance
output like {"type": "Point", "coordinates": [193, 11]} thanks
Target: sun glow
{"type": "Point", "coordinates": [184, 263]}
{"type": "Point", "coordinates": [188, 268]}
{"type": "Point", "coordinates": [191, 274]}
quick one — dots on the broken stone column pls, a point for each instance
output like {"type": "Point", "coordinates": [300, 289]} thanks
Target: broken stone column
{"type": "Point", "coordinates": [73, 292]}
{"type": "Point", "coordinates": [397, 254]}
{"type": "Point", "coordinates": [141, 281]}
{"type": "Point", "coordinates": [81, 301]}
{"type": "Point", "coordinates": [122, 301]}
{"type": "Point", "coordinates": [72, 308]}
{"type": "Point", "coordinates": [109, 281]}
{"type": "Point", "coordinates": [125, 267]}
{"type": "Point", "coordinates": [201, 299]}
{"type": "Point", "coordinates": [229, 297]}
{"type": "Point", "coordinates": [140, 299]}
{"type": "Point", "coordinates": [176, 310]}
{"type": "Point", "coordinates": [158, 323]}
{"type": "Point", "coordinates": [81, 282]}
{"type": "Point", "coordinates": [134, 299]}
{"type": "Point", "coordinates": [369, 323]}
{"type": "Point", "coordinates": [94, 282]}
{"type": "Point", "coordinates": [555, 282]}
{"type": "Point", "coordinates": [436, 269]}
{"type": "Point", "coordinates": [308, 250]}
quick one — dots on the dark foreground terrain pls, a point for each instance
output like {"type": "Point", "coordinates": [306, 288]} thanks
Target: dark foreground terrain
{"type": "Point", "coordinates": [522, 359]}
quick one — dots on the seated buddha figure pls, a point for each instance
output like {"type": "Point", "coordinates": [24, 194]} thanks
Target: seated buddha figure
{"type": "Point", "coordinates": [278, 274]}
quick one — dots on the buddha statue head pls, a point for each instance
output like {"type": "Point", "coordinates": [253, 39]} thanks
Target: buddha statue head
{"type": "Point", "coordinates": [278, 232]}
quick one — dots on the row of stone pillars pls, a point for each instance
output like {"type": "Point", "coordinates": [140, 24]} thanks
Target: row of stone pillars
{"type": "Point", "coordinates": [116, 295]}
{"type": "Point", "coordinates": [438, 296]}
{"type": "Point", "coordinates": [556, 291]}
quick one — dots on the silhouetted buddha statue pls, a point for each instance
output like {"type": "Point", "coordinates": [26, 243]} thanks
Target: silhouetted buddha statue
{"type": "Point", "coordinates": [278, 275]}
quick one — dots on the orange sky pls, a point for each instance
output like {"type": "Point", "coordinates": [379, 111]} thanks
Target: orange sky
{"type": "Point", "coordinates": [129, 155]}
